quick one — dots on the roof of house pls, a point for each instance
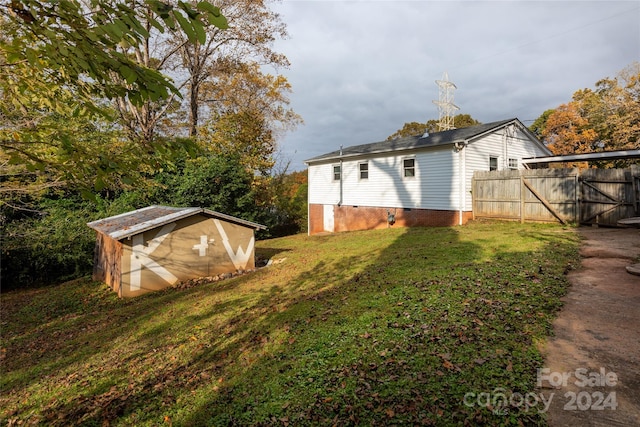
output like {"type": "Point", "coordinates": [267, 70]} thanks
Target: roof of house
{"type": "Point", "coordinates": [421, 141]}
{"type": "Point", "coordinates": [125, 225]}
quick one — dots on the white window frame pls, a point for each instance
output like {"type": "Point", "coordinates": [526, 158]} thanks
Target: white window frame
{"type": "Point", "coordinates": [336, 172]}
{"type": "Point", "coordinates": [405, 168]}
{"type": "Point", "coordinates": [360, 171]}
{"type": "Point", "coordinates": [513, 163]}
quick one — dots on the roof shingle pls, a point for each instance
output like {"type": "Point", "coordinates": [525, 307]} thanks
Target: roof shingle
{"type": "Point", "coordinates": [419, 141]}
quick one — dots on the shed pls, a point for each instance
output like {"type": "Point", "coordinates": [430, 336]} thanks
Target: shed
{"type": "Point", "coordinates": [155, 247]}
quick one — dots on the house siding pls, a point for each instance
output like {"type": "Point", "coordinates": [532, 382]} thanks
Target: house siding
{"type": "Point", "coordinates": [434, 186]}
{"type": "Point", "coordinates": [438, 194]}
{"type": "Point", "coordinates": [502, 144]}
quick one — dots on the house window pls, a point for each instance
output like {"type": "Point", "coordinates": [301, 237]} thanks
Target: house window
{"type": "Point", "coordinates": [409, 168]}
{"type": "Point", "coordinates": [364, 170]}
{"type": "Point", "coordinates": [337, 172]}
{"type": "Point", "coordinates": [493, 163]}
{"type": "Point", "coordinates": [513, 164]}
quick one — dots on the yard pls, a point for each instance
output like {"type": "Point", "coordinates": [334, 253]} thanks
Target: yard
{"type": "Point", "coordinates": [419, 326]}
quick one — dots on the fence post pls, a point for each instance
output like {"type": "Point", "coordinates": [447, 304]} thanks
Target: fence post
{"type": "Point", "coordinates": [474, 201]}
{"type": "Point", "coordinates": [577, 189]}
{"type": "Point", "coordinates": [522, 192]}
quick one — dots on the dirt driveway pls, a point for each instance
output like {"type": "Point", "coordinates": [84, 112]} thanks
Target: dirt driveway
{"type": "Point", "coordinates": [592, 366]}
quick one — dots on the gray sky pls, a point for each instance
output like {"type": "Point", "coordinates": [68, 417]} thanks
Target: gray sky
{"type": "Point", "coordinates": [361, 69]}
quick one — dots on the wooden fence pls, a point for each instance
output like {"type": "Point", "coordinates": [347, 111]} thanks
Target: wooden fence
{"type": "Point", "coordinates": [586, 196]}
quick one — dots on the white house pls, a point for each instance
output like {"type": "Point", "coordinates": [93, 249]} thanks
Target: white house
{"type": "Point", "coordinates": [414, 181]}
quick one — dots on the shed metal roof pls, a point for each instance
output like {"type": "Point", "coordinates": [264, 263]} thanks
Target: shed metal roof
{"type": "Point", "coordinates": [125, 225]}
{"type": "Point", "coordinates": [419, 141]}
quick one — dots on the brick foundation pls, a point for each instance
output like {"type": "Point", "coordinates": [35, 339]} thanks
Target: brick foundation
{"type": "Point", "coordinates": [316, 219]}
{"type": "Point", "coordinates": [350, 218]}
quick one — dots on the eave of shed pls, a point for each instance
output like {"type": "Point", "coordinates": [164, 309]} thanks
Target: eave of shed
{"type": "Point", "coordinates": [128, 224]}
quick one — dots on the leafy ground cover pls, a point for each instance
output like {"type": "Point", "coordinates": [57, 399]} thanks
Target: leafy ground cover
{"type": "Point", "coordinates": [384, 327]}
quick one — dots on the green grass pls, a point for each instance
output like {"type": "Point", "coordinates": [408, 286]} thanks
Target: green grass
{"type": "Point", "coordinates": [380, 327]}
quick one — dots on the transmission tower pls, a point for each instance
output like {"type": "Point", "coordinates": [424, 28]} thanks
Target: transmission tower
{"type": "Point", "coordinates": [445, 104]}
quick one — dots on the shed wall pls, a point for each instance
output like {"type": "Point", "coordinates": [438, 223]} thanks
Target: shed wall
{"type": "Point", "coordinates": [197, 246]}
{"type": "Point", "coordinates": [107, 255]}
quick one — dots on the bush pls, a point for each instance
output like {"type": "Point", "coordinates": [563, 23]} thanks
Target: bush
{"type": "Point", "coordinates": [48, 247]}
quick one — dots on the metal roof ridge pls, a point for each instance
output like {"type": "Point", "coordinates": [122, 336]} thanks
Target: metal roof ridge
{"type": "Point", "coordinates": [122, 215]}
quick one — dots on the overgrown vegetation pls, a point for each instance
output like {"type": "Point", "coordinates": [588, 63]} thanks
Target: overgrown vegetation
{"type": "Point", "coordinates": [51, 242]}
{"type": "Point", "coordinates": [381, 327]}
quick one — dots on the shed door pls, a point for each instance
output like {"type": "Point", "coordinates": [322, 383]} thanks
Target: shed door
{"type": "Point", "coordinates": [327, 218]}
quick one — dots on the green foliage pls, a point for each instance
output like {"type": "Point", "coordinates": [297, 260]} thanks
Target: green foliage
{"type": "Point", "coordinates": [77, 47]}
{"type": "Point", "coordinates": [213, 182]}
{"type": "Point", "coordinates": [60, 61]}
{"type": "Point", "coordinates": [249, 112]}
{"type": "Point", "coordinates": [222, 183]}
{"type": "Point", "coordinates": [539, 125]}
{"type": "Point", "coordinates": [50, 246]}
{"type": "Point", "coordinates": [285, 194]}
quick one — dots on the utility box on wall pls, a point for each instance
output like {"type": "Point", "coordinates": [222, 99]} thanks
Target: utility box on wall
{"type": "Point", "coordinates": [158, 246]}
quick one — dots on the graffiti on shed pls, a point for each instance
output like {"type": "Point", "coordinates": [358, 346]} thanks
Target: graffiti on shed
{"type": "Point", "coordinates": [156, 247]}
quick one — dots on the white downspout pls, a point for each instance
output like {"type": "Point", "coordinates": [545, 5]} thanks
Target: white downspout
{"type": "Point", "coordinates": [341, 176]}
{"type": "Point", "coordinates": [308, 204]}
{"type": "Point", "coordinates": [463, 182]}
{"type": "Point", "coordinates": [463, 179]}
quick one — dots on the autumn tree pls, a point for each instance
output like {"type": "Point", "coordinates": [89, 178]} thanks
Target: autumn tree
{"type": "Point", "coordinates": [249, 109]}
{"type": "Point", "coordinates": [538, 126]}
{"type": "Point", "coordinates": [60, 62]}
{"type": "Point", "coordinates": [431, 126]}
{"type": "Point", "coordinates": [253, 28]}
{"type": "Point", "coordinates": [605, 118]}
{"type": "Point", "coordinates": [567, 131]}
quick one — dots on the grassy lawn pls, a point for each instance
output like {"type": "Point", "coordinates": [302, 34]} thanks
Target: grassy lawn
{"type": "Point", "coordinates": [384, 327]}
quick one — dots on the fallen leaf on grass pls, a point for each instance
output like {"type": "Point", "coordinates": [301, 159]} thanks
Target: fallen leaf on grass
{"type": "Point", "coordinates": [448, 364]}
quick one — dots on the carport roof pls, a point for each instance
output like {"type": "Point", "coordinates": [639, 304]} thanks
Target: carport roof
{"type": "Point", "coordinates": [586, 157]}
{"type": "Point", "coordinates": [125, 225]}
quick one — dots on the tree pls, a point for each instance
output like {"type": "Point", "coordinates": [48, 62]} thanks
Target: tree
{"type": "Point", "coordinates": [77, 47]}
{"type": "Point", "coordinates": [606, 118]}
{"type": "Point", "coordinates": [567, 132]}
{"type": "Point", "coordinates": [538, 126]}
{"type": "Point", "coordinates": [431, 126]}
{"type": "Point", "coordinates": [252, 30]}
{"type": "Point", "coordinates": [60, 61]}
{"type": "Point", "coordinates": [249, 112]}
